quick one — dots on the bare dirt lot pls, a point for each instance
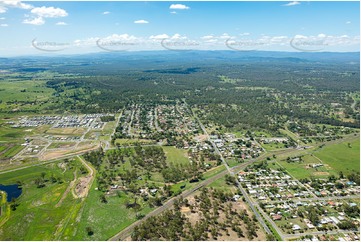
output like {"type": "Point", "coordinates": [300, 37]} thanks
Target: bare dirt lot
{"type": "Point", "coordinates": [54, 154]}
{"type": "Point", "coordinates": [67, 131]}
{"type": "Point", "coordinates": [83, 186]}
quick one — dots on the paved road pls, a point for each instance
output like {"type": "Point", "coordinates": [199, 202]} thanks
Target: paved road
{"type": "Point", "coordinates": [252, 205]}
{"type": "Point", "coordinates": [156, 120]}
{"type": "Point", "coordinates": [131, 121]}
{"type": "Point", "coordinates": [315, 199]}
{"type": "Point", "coordinates": [289, 236]}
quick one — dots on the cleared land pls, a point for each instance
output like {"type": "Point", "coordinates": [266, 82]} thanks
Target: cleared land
{"type": "Point", "coordinates": [341, 157]}
{"type": "Point", "coordinates": [334, 157]}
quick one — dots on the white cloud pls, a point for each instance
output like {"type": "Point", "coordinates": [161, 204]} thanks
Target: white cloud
{"type": "Point", "coordinates": [179, 6]}
{"type": "Point", "coordinates": [17, 4]}
{"type": "Point", "coordinates": [323, 41]}
{"type": "Point", "coordinates": [225, 36]}
{"type": "Point", "coordinates": [173, 12]}
{"type": "Point", "coordinates": [279, 39]}
{"type": "Point", "coordinates": [142, 21]}
{"type": "Point", "coordinates": [2, 18]}
{"type": "Point", "coordinates": [86, 42]}
{"type": "Point", "coordinates": [245, 34]}
{"type": "Point", "coordinates": [34, 21]}
{"type": "Point", "coordinates": [49, 12]}
{"type": "Point", "coordinates": [211, 41]}
{"type": "Point", "coordinates": [4, 25]}
{"type": "Point", "coordinates": [291, 4]}
{"type": "Point", "coordinates": [207, 37]}
{"type": "Point", "coordinates": [3, 9]}
{"type": "Point", "coordinates": [299, 36]}
{"type": "Point", "coordinates": [106, 12]}
{"type": "Point", "coordinates": [159, 37]}
{"type": "Point", "coordinates": [348, 22]}
{"type": "Point", "coordinates": [178, 37]}
{"type": "Point", "coordinates": [61, 23]}
{"type": "Point", "coordinates": [117, 37]}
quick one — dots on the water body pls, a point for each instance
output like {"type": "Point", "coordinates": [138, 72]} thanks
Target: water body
{"type": "Point", "coordinates": [12, 191]}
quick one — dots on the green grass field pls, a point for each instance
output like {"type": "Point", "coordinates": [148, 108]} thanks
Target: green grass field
{"type": "Point", "coordinates": [335, 157]}
{"type": "Point", "coordinates": [37, 217]}
{"type": "Point", "coordinates": [106, 219]}
{"type": "Point", "coordinates": [301, 170]}
{"type": "Point", "coordinates": [9, 134]}
{"type": "Point", "coordinates": [213, 171]}
{"type": "Point", "coordinates": [340, 157]}
{"type": "Point", "coordinates": [273, 146]}
{"type": "Point", "coordinates": [2, 147]}
{"type": "Point", "coordinates": [12, 151]}
{"type": "Point", "coordinates": [176, 156]}
{"type": "Point", "coordinates": [232, 162]}
{"type": "Point", "coordinates": [221, 184]}
{"type": "Point", "coordinates": [14, 93]}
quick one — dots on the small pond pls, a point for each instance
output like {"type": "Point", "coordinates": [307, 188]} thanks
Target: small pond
{"type": "Point", "coordinates": [12, 191]}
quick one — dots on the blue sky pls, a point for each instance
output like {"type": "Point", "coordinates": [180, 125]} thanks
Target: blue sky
{"type": "Point", "coordinates": [29, 27]}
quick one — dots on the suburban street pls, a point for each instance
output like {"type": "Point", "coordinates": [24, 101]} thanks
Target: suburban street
{"type": "Point", "coordinates": [252, 205]}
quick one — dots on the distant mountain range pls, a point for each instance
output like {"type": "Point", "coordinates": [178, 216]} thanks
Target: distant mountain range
{"type": "Point", "coordinates": [220, 55]}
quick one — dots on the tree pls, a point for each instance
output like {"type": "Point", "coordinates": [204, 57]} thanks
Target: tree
{"type": "Point", "coordinates": [270, 237]}
{"type": "Point", "coordinates": [89, 231]}
{"type": "Point", "coordinates": [13, 204]}
{"type": "Point", "coordinates": [39, 182]}
{"type": "Point", "coordinates": [103, 199]}
{"type": "Point", "coordinates": [139, 216]}
{"type": "Point", "coordinates": [341, 175]}
{"type": "Point", "coordinates": [313, 217]}
{"type": "Point", "coordinates": [339, 185]}
{"type": "Point", "coordinates": [43, 175]}
{"type": "Point", "coordinates": [83, 170]}
{"type": "Point", "coordinates": [53, 178]}
{"type": "Point", "coordinates": [230, 180]}
{"type": "Point", "coordinates": [354, 177]}
{"type": "Point", "coordinates": [347, 224]}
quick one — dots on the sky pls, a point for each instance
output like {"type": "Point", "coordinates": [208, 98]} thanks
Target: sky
{"type": "Point", "coordinates": [76, 27]}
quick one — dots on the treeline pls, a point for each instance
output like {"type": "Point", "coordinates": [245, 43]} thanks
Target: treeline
{"type": "Point", "coordinates": [216, 218]}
